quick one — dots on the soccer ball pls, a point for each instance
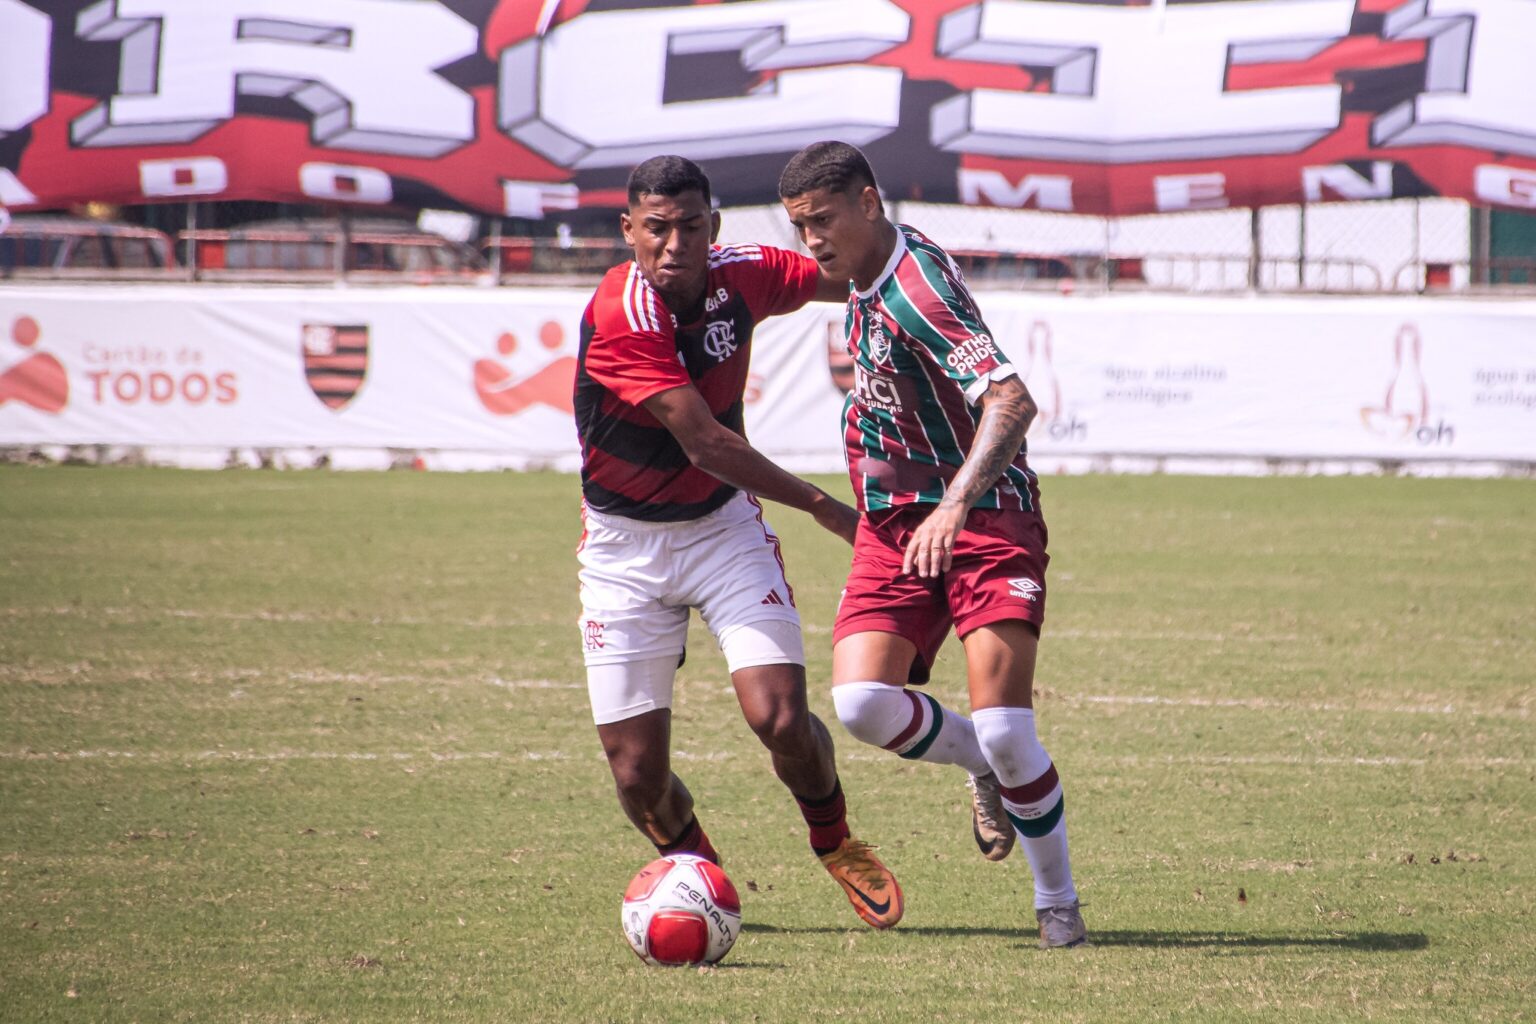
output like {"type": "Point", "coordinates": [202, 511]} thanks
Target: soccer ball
{"type": "Point", "coordinates": [681, 910]}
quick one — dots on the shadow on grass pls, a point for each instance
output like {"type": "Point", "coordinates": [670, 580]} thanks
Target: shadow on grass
{"type": "Point", "coordinates": [1371, 942]}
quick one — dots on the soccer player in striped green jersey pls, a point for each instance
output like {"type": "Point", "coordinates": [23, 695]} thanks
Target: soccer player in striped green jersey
{"type": "Point", "coordinates": [950, 532]}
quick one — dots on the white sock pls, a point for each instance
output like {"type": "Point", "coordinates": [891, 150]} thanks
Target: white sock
{"type": "Point", "coordinates": [908, 723]}
{"type": "Point", "coordinates": [1032, 797]}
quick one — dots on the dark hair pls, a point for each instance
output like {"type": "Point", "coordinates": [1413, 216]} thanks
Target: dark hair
{"type": "Point", "coordinates": [667, 176]}
{"type": "Point", "coordinates": [834, 166]}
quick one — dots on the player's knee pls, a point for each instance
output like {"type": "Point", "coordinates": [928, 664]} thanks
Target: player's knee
{"type": "Point", "coordinates": [638, 787]}
{"type": "Point", "coordinates": [1008, 740]}
{"type": "Point", "coordinates": [784, 727]}
{"type": "Point", "coordinates": [640, 780]}
{"type": "Point", "coordinates": [871, 712]}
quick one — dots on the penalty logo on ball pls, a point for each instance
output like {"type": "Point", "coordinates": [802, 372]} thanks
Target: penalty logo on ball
{"type": "Point", "coordinates": [681, 910]}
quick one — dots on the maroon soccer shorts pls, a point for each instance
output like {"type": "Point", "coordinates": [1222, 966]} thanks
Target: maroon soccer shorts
{"type": "Point", "coordinates": [997, 574]}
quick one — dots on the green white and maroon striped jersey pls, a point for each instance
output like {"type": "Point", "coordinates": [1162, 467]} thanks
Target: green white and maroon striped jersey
{"type": "Point", "coordinates": [922, 359]}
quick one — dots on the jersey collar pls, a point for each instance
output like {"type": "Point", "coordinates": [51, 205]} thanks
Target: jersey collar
{"type": "Point", "coordinates": [897, 253]}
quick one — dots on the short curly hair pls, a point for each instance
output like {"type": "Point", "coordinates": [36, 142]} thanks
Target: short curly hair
{"type": "Point", "coordinates": [834, 166]}
{"type": "Point", "coordinates": [667, 176]}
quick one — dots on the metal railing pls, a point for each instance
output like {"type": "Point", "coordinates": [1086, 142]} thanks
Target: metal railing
{"type": "Point", "coordinates": [1501, 274]}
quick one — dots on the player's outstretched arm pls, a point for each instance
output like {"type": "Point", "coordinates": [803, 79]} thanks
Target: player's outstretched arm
{"type": "Point", "coordinates": [726, 456]}
{"type": "Point", "coordinates": [1006, 413]}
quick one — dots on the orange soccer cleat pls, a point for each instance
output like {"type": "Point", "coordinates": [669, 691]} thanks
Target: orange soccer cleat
{"type": "Point", "coordinates": [870, 886]}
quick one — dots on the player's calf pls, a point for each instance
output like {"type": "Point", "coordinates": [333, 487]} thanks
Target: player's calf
{"type": "Point", "coordinates": [1032, 798]}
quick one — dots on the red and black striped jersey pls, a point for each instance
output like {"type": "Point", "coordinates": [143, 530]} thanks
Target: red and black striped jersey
{"type": "Point", "coordinates": [632, 347]}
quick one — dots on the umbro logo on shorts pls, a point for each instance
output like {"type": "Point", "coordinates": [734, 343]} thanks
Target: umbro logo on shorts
{"type": "Point", "coordinates": [773, 598]}
{"type": "Point", "coordinates": [1024, 587]}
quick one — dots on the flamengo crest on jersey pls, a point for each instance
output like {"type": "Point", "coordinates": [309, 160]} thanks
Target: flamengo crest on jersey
{"type": "Point", "coordinates": [922, 356]}
{"type": "Point", "coordinates": [633, 347]}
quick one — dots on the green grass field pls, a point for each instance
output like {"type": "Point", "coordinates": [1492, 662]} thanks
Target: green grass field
{"type": "Point", "coordinates": [314, 747]}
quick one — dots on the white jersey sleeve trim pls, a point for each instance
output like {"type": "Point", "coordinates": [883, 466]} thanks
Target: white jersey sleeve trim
{"type": "Point", "coordinates": [723, 254]}
{"type": "Point", "coordinates": [979, 386]}
{"type": "Point", "coordinates": [639, 301]}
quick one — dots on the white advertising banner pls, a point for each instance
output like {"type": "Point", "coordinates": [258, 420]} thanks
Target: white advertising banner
{"type": "Point", "coordinates": [285, 368]}
{"type": "Point", "coordinates": [1391, 379]}
{"type": "Point", "coordinates": [486, 374]}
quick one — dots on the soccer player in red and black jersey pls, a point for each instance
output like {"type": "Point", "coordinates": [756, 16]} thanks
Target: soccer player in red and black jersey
{"type": "Point", "coordinates": [951, 533]}
{"type": "Point", "coordinates": [672, 522]}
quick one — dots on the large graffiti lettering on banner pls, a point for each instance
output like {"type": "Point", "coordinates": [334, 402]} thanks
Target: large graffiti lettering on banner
{"type": "Point", "coordinates": [523, 108]}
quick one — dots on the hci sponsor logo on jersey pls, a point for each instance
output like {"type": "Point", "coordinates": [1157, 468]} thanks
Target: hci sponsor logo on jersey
{"type": "Point", "coordinates": [720, 340]}
{"type": "Point", "coordinates": [335, 361]}
{"type": "Point", "coordinates": [874, 391]}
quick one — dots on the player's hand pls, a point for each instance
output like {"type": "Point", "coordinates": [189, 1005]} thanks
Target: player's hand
{"type": "Point", "coordinates": [840, 519]}
{"type": "Point", "coordinates": [931, 550]}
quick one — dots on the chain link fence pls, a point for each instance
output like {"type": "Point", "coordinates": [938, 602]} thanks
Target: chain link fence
{"type": "Point", "coordinates": [1407, 245]}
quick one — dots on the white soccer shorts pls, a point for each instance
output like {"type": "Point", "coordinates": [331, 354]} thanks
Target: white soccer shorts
{"type": "Point", "coordinates": [639, 581]}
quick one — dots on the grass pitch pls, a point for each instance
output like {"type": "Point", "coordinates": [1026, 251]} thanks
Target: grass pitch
{"type": "Point", "coordinates": [315, 747]}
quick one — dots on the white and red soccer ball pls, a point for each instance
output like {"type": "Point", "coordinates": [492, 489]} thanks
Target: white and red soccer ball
{"type": "Point", "coordinates": [681, 910]}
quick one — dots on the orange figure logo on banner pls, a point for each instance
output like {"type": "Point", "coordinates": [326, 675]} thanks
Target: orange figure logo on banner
{"type": "Point", "coordinates": [502, 393]}
{"type": "Point", "coordinates": [39, 380]}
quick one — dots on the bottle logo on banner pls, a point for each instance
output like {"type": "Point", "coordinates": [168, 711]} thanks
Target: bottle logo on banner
{"type": "Point", "coordinates": [38, 379]}
{"type": "Point", "coordinates": [335, 361]}
{"type": "Point", "coordinates": [1039, 375]}
{"type": "Point", "coordinates": [1404, 410]}
{"type": "Point", "coordinates": [504, 393]}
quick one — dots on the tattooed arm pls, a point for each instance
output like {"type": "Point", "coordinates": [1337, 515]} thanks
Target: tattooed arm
{"type": "Point", "coordinates": [1006, 412]}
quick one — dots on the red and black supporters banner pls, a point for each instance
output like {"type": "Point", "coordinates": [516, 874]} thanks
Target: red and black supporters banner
{"type": "Point", "coordinates": [525, 107]}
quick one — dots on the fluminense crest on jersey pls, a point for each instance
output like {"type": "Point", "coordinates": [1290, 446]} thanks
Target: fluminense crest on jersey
{"type": "Point", "coordinates": [879, 341]}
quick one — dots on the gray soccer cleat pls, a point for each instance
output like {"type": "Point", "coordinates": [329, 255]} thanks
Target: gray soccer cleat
{"type": "Point", "coordinates": [1061, 927]}
{"type": "Point", "coordinates": [989, 821]}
